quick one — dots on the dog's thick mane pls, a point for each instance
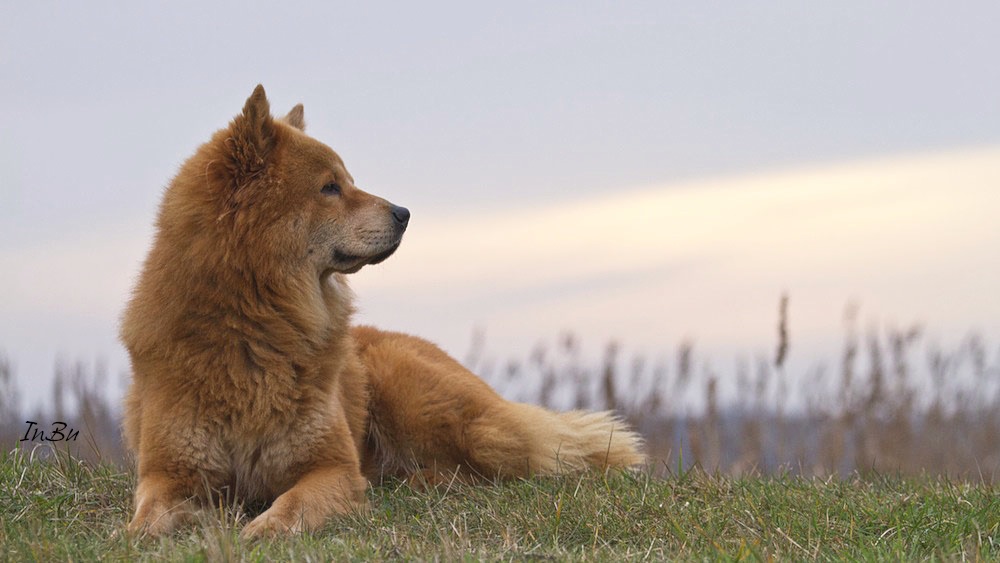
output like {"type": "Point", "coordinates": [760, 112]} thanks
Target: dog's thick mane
{"type": "Point", "coordinates": [290, 325]}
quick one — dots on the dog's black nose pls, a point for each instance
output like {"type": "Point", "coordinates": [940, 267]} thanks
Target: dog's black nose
{"type": "Point", "coordinates": [401, 214]}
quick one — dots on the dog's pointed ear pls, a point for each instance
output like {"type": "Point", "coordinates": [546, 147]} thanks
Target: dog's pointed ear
{"type": "Point", "coordinates": [296, 117]}
{"type": "Point", "coordinates": [253, 134]}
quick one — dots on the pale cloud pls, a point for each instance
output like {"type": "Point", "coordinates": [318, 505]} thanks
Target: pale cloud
{"type": "Point", "coordinates": [914, 239]}
{"type": "Point", "coordinates": [86, 274]}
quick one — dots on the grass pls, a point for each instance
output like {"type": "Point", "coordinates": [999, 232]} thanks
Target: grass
{"type": "Point", "coordinates": [858, 475]}
{"type": "Point", "coordinates": [61, 508]}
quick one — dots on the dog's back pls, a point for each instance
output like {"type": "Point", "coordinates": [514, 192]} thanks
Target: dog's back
{"type": "Point", "coordinates": [431, 415]}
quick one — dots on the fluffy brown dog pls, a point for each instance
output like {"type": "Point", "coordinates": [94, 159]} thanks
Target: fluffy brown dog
{"type": "Point", "coordinates": [248, 381]}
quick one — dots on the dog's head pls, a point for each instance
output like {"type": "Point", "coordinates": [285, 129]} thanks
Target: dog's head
{"type": "Point", "coordinates": [291, 195]}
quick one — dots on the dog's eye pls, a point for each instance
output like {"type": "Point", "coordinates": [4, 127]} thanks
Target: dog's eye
{"type": "Point", "coordinates": [332, 188]}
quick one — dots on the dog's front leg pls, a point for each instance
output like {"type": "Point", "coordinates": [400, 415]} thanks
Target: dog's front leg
{"type": "Point", "coordinates": [319, 494]}
{"type": "Point", "coordinates": [161, 504]}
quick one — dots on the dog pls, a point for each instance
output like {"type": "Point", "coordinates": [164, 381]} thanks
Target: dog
{"type": "Point", "coordinates": [248, 381]}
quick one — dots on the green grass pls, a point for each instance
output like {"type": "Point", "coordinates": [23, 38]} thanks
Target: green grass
{"type": "Point", "coordinates": [65, 509]}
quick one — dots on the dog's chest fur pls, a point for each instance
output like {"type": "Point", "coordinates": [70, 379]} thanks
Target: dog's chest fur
{"type": "Point", "coordinates": [263, 442]}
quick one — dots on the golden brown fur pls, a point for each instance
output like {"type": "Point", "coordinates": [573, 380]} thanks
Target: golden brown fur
{"type": "Point", "coordinates": [248, 381]}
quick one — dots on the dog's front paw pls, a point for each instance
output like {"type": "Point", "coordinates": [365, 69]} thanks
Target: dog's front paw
{"type": "Point", "coordinates": [155, 518]}
{"type": "Point", "coordinates": [272, 523]}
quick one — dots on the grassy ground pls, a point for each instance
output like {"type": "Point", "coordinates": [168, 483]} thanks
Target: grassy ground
{"type": "Point", "coordinates": [64, 509]}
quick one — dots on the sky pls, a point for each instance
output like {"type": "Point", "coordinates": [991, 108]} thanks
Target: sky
{"type": "Point", "coordinates": [646, 171]}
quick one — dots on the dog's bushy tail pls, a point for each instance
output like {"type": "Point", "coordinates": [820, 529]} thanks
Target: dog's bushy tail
{"type": "Point", "coordinates": [560, 442]}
